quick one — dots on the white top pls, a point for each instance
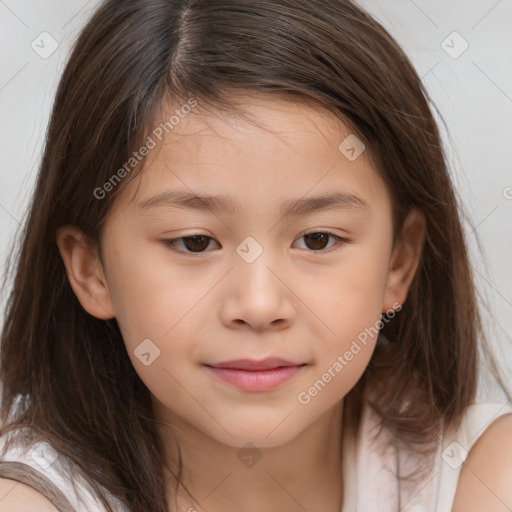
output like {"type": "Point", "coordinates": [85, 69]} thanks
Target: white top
{"type": "Point", "coordinates": [370, 484]}
{"type": "Point", "coordinates": [49, 474]}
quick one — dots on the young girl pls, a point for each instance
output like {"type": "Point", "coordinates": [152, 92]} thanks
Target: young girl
{"type": "Point", "coordinates": [243, 283]}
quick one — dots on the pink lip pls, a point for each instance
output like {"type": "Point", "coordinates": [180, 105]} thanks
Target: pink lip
{"type": "Point", "coordinates": [252, 364]}
{"type": "Point", "coordinates": [254, 375]}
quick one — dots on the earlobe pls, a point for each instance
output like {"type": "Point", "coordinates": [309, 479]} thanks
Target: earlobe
{"type": "Point", "coordinates": [85, 272]}
{"type": "Point", "coordinates": [405, 259]}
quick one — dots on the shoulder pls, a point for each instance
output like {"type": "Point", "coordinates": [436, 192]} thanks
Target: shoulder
{"type": "Point", "coordinates": [484, 481]}
{"type": "Point", "coordinates": [37, 477]}
{"type": "Point", "coordinates": [18, 497]}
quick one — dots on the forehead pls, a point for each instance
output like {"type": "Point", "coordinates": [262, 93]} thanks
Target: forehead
{"type": "Point", "coordinates": [286, 149]}
{"type": "Point", "coordinates": [263, 121]}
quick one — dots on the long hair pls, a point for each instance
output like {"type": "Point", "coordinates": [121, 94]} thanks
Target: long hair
{"type": "Point", "coordinates": [69, 372]}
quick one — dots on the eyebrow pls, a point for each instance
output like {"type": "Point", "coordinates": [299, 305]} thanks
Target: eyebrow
{"type": "Point", "coordinates": [225, 204]}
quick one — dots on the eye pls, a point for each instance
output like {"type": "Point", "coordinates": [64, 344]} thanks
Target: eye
{"type": "Point", "coordinates": [316, 240]}
{"type": "Point", "coordinates": [194, 244]}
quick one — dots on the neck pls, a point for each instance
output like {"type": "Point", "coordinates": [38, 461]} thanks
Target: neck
{"type": "Point", "coordinates": [303, 474]}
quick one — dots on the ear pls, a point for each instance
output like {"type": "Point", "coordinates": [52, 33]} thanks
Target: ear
{"type": "Point", "coordinates": [405, 259]}
{"type": "Point", "coordinates": [85, 272]}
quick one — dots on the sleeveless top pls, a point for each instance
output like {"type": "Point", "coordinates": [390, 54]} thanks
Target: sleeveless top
{"type": "Point", "coordinates": [370, 482]}
{"type": "Point", "coordinates": [48, 472]}
{"type": "Point", "coordinates": [369, 475]}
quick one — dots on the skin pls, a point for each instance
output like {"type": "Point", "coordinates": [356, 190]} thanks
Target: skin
{"type": "Point", "coordinates": [18, 497]}
{"type": "Point", "coordinates": [293, 301]}
{"type": "Point", "coordinates": [484, 481]}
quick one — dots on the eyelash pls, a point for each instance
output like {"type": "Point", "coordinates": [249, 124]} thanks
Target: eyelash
{"type": "Point", "coordinates": [171, 243]}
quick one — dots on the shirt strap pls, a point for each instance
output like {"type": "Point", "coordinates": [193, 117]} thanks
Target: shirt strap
{"type": "Point", "coordinates": [27, 475]}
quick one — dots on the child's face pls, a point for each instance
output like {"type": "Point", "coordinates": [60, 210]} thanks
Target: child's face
{"type": "Point", "coordinates": [258, 288]}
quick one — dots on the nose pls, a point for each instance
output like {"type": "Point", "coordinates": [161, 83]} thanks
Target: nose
{"type": "Point", "coordinates": [257, 297]}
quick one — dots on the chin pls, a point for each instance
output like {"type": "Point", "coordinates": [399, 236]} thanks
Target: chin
{"type": "Point", "coordinates": [261, 434]}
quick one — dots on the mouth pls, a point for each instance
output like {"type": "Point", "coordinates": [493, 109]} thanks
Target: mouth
{"type": "Point", "coordinates": [269, 363]}
{"type": "Point", "coordinates": [253, 375]}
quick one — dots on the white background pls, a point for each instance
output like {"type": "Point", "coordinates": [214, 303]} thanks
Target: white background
{"type": "Point", "coordinates": [473, 93]}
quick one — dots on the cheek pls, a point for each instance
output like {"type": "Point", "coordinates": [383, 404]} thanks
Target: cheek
{"type": "Point", "coordinates": [351, 298]}
{"type": "Point", "coordinates": [351, 307]}
{"type": "Point", "coordinates": [162, 309]}
{"type": "Point", "coordinates": [352, 312]}
{"type": "Point", "coordinates": [153, 297]}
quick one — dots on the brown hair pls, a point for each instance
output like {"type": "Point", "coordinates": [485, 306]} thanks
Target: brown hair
{"type": "Point", "coordinates": [70, 370]}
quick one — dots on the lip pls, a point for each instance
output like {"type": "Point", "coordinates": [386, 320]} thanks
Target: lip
{"type": "Point", "coordinates": [252, 375]}
{"type": "Point", "coordinates": [252, 364]}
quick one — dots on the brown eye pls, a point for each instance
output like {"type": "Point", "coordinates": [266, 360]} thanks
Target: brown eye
{"type": "Point", "coordinates": [316, 241]}
{"type": "Point", "coordinates": [193, 244]}
{"type": "Point", "coordinates": [197, 244]}
{"type": "Point", "coordinates": [319, 240]}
